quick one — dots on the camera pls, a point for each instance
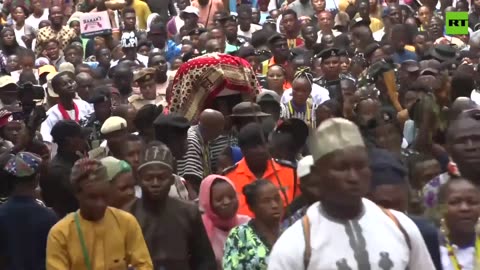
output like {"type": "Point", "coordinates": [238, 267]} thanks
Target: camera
{"type": "Point", "coordinates": [28, 89]}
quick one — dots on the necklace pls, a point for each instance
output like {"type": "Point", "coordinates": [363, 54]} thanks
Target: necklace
{"type": "Point", "coordinates": [451, 251]}
{"type": "Point", "coordinates": [308, 114]}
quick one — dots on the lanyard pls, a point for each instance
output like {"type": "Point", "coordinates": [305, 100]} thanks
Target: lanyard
{"type": "Point", "coordinates": [206, 160]}
{"type": "Point", "coordinates": [64, 113]}
{"type": "Point", "coordinates": [453, 258]}
{"type": "Point", "coordinates": [86, 257]}
{"type": "Point", "coordinates": [308, 114]}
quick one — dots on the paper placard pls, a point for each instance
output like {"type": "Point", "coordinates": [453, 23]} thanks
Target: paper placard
{"type": "Point", "coordinates": [95, 24]}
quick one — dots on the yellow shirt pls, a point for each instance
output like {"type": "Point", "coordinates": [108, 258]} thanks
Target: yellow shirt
{"type": "Point", "coordinates": [375, 24]}
{"type": "Point", "coordinates": [112, 243]}
{"type": "Point", "coordinates": [142, 11]}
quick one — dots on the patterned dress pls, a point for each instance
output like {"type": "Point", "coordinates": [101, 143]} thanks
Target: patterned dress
{"type": "Point", "coordinates": [245, 250]}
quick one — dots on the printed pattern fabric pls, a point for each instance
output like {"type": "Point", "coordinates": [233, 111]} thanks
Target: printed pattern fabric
{"type": "Point", "coordinates": [64, 36]}
{"type": "Point", "coordinates": [244, 250]}
{"type": "Point", "coordinates": [201, 79]}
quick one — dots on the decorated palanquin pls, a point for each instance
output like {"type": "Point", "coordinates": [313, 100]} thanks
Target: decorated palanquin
{"type": "Point", "coordinates": [200, 80]}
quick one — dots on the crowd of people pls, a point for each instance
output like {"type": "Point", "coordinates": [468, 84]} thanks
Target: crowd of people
{"type": "Point", "coordinates": [239, 134]}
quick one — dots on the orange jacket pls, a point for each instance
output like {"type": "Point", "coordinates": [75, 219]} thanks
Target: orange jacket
{"type": "Point", "coordinates": [241, 176]}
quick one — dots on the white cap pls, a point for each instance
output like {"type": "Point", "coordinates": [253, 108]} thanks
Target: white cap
{"type": "Point", "coordinates": [191, 10]}
{"type": "Point", "coordinates": [304, 166]}
{"type": "Point", "coordinates": [334, 134]}
{"type": "Point", "coordinates": [112, 124]}
{"type": "Point", "coordinates": [50, 91]}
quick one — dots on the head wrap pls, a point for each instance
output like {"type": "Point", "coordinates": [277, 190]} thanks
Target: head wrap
{"type": "Point", "coordinates": [23, 164]}
{"type": "Point", "coordinates": [88, 169]}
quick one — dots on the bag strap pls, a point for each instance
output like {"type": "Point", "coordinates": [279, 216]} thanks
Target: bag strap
{"type": "Point", "coordinates": [399, 225]}
{"type": "Point", "coordinates": [208, 15]}
{"type": "Point", "coordinates": [86, 257]}
{"type": "Point", "coordinates": [308, 247]}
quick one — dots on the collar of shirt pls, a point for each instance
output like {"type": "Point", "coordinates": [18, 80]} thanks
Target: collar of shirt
{"type": "Point", "coordinates": [242, 168]}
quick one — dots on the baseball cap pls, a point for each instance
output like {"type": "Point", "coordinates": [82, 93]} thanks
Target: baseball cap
{"type": "Point", "coordinates": [6, 80]}
{"type": "Point", "coordinates": [190, 10]}
{"type": "Point", "coordinates": [50, 91]}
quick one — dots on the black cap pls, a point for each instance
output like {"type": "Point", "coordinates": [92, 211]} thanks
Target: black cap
{"type": "Point", "coordinates": [246, 51]}
{"type": "Point", "coordinates": [386, 169]}
{"type": "Point", "coordinates": [172, 120]}
{"type": "Point", "coordinates": [276, 37]}
{"type": "Point", "coordinates": [67, 128]}
{"type": "Point", "coordinates": [268, 96]}
{"type": "Point", "coordinates": [197, 31]}
{"type": "Point", "coordinates": [372, 47]}
{"type": "Point", "coordinates": [296, 127]}
{"type": "Point", "coordinates": [327, 53]}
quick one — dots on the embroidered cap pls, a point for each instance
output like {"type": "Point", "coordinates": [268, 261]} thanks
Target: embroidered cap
{"type": "Point", "coordinates": [156, 153]}
{"type": "Point", "coordinates": [115, 167]}
{"type": "Point", "coordinates": [23, 164]}
{"type": "Point", "coordinates": [334, 134]}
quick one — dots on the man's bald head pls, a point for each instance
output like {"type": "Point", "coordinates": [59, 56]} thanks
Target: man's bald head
{"type": "Point", "coordinates": [211, 123]}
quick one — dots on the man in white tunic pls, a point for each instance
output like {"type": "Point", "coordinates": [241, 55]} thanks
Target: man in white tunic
{"type": "Point", "coordinates": [344, 230]}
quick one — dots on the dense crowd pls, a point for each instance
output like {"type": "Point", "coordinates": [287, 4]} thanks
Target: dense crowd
{"type": "Point", "coordinates": [239, 135]}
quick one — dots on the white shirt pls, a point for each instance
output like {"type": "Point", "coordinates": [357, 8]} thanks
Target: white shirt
{"type": "Point", "coordinates": [18, 36]}
{"type": "Point", "coordinates": [54, 115]}
{"type": "Point", "coordinates": [34, 22]}
{"type": "Point", "coordinates": [378, 35]}
{"type": "Point", "coordinates": [253, 28]}
{"type": "Point", "coordinates": [319, 95]}
{"type": "Point", "coordinates": [334, 33]}
{"type": "Point", "coordinates": [333, 243]}
{"type": "Point", "coordinates": [464, 256]}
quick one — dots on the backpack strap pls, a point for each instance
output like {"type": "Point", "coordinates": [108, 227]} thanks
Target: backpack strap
{"type": "Point", "coordinates": [308, 247]}
{"type": "Point", "coordinates": [399, 225]}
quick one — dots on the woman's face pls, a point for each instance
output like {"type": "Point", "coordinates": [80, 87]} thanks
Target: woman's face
{"type": "Point", "coordinates": [268, 204]}
{"type": "Point", "coordinates": [301, 91]}
{"type": "Point", "coordinates": [275, 78]}
{"type": "Point", "coordinates": [223, 199]}
{"type": "Point", "coordinates": [8, 38]}
{"type": "Point", "coordinates": [463, 207]}
{"type": "Point", "coordinates": [12, 130]}
{"type": "Point", "coordinates": [123, 190]}
{"type": "Point", "coordinates": [18, 15]}
{"type": "Point", "coordinates": [76, 26]}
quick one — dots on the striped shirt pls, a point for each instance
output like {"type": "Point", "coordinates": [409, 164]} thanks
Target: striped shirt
{"type": "Point", "coordinates": [196, 160]}
{"type": "Point", "coordinates": [218, 145]}
{"type": "Point", "coordinates": [307, 114]}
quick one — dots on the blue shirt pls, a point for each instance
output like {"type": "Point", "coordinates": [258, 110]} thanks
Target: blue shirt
{"type": "Point", "coordinates": [399, 58]}
{"type": "Point", "coordinates": [172, 50]}
{"type": "Point", "coordinates": [24, 227]}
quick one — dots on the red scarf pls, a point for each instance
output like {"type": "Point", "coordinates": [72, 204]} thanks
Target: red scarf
{"type": "Point", "coordinates": [64, 113]}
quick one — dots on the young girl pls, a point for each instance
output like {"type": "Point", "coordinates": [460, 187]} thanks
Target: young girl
{"type": "Point", "coordinates": [301, 106]}
{"type": "Point", "coordinates": [460, 224]}
{"type": "Point", "coordinates": [248, 246]}
{"type": "Point", "coordinates": [218, 199]}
